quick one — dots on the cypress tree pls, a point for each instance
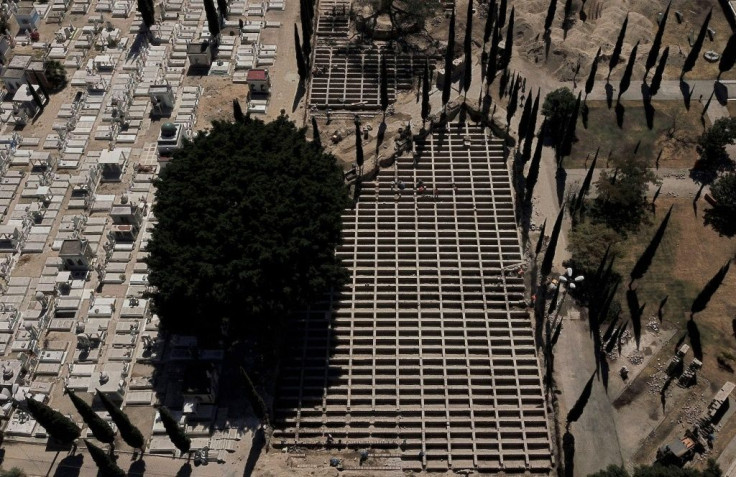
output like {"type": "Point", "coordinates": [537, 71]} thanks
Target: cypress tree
{"type": "Point", "coordinates": [237, 111]}
{"type": "Point", "coordinates": [384, 85]}
{"type": "Point", "coordinates": [626, 78]}
{"type": "Point", "coordinates": [616, 54]}
{"type": "Point", "coordinates": [657, 78]}
{"type": "Point", "coordinates": [657, 42]}
{"type": "Point", "coordinates": [572, 121]}
{"type": "Point", "coordinates": [492, 65]}
{"type": "Point", "coordinates": [36, 98]}
{"type": "Point", "coordinates": [534, 114]}
{"type": "Point", "coordinates": [533, 174]}
{"type": "Point", "coordinates": [501, 19]}
{"type": "Point", "coordinates": [41, 87]}
{"type": "Point", "coordinates": [513, 101]}
{"type": "Point", "coordinates": [701, 301]}
{"type": "Point", "coordinates": [130, 434]}
{"type": "Point", "coordinates": [728, 57]}
{"type": "Point", "coordinates": [567, 10]}
{"type": "Point", "coordinates": [222, 6]}
{"type": "Point", "coordinates": [100, 429]}
{"type": "Point", "coordinates": [213, 19]}
{"type": "Point", "coordinates": [509, 40]}
{"type": "Point", "coordinates": [174, 431]}
{"type": "Point", "coordinates": [56, 424]}
{"type": "Point", "coordinates": [585, 187]}
{"type": "Point", "coordinates": [525, 113]}
{"type": "Point", "coordinates": [488, 30]}
{"type": "Point", "coordinates": [255, 399]}
{"type": "Point", "coordinates": [645, 260]}
{"type": "Point", "coordinates": [108, 467]}
{"type": "Point", "coordinates": [300, 65]}
{"type": "Point", "coordinates": [449, 57]}
{"type": "Point", "coordinates": [550, 15]}
{"type": "Point", "coordinates": [306, 20]}
{"type": "Point", "coordinates": [549, 254]}
{"type": "Point", "coordinates": [425, 93]}
{"type": "Point", "coordinates": [591, 76]}
{"type": "Point", "coordinates": [692, 57]}
{"type": "Point", "coordinates": [468, 47]}
{"type": "Point", "coordinates": [540, 242]}
{"type": "Point", "coordinates": [316, 140]}
{"type": "Point", "coordinates": [145, 8]}
{"type": "Point", "coordinates": [358, 145]}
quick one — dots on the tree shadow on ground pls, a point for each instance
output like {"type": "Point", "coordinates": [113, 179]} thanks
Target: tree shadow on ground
{"type": "Point", "coordinates": [609, 95]}
{"type": "Point", "coordinates": [721, 92]}
{"type": "Point", "coordinates": [635, 310]}
{"type": "Point", "coordinates": [584, 110]}
{"type": "Point", "coordinates": [560, 177]}
{"type": "Point", "coordinates": [137, 468]}
{"type": "Point", "coordinates": [649, 112]}
{"type": "Point", "coordinates": [694, 333]}
{"type": "Point", "coordinates": [380, 135]}
{"type": "Point", "coordinates": [300, 90]}
{"type": "Point", "coordinates": [69, 466]}
{"type": "Point", "coordinates": [568, 447]}
{"type": "Point", "coordinates": [687, 93]}
{"type": "Point", "coordinates": [185, 470]}
{"type": "Point", "coordinates": [577, 409]}
{"type": "Point", "coordinates": [620, 112]}
{"type": "Point", "coordinates": [259, 441]}
{"type": "Point", "coordinates": [660, 310]}
{"type": "Point", "coordinates": [138, 43]}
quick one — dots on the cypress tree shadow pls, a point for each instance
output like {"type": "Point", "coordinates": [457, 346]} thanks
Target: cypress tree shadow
{"type": "Point", "coordinates": [701, 301]}
{"type": "Point", "coordinates": [721, 93]}
{"type": "Point", "coordinates": [620, 111]}
{"type": "Point", "coordinates": [137, 468]}
{"type": "Point", "coordinates": [584, 110]}
{"type": "Point", "coordinates": [733, 326]}
{"type": "Point", "coordinates": [679, 342]}
{"type": "Point", "coordinates": [604, 369]}
{"type": "Point", "coordinates": [560, 178]}
{"type": "Point", "coordinates": [660, 310]}
{"type": "Point", "coordinates": [663, 392]}
{"type": "Point", "coordinates": [609, 95]}
{"type": "Point", "coordinates": [70, 466]}
{"type": "Point", "coordinates": [694, 334]}
{"type": "Point", "coordinates": [568, 448]}
{"type": "Point", "coordinates": [185, 470]}
{"type": "Point", "coordinates": [635, 310]}
{"type": "Point", "coordinates": [649, 112]}
{"type": "Point", "coordinates": [300, 90]}
{"type": "Point", "coordinates": [259, 442]}
{"type": "Point", "coordinates": [380, 135]}
{"type": "Point", "coordinates": [577, 409]}
{"type": "Point", "coordinates": [687, 93]}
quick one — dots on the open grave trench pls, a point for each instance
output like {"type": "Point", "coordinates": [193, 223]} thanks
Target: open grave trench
{"type": "Point", "coordinates": [427, 351]}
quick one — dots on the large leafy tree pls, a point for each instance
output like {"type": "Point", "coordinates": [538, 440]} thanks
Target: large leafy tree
{"type": "Point", "coordinates": [404, 13]}
{"type": "Point", "coordinates": [245, 235]}
{"type": "Point", "coordinates": [56, 424]}
{"type": "Point", "coordinates": [712, 145]}
{"type": "Point", "coordinates": [557, 107]}
{"type": "Point", "coordinates": [55, 74]}
{"type": "Point", "coordinates": [622, 194]}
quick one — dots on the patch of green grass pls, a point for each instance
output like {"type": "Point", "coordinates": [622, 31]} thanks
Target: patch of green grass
{"type": "Point", "coordinates": [674, 132]}
{"type": "Point", "coordinates": [659, 281]}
